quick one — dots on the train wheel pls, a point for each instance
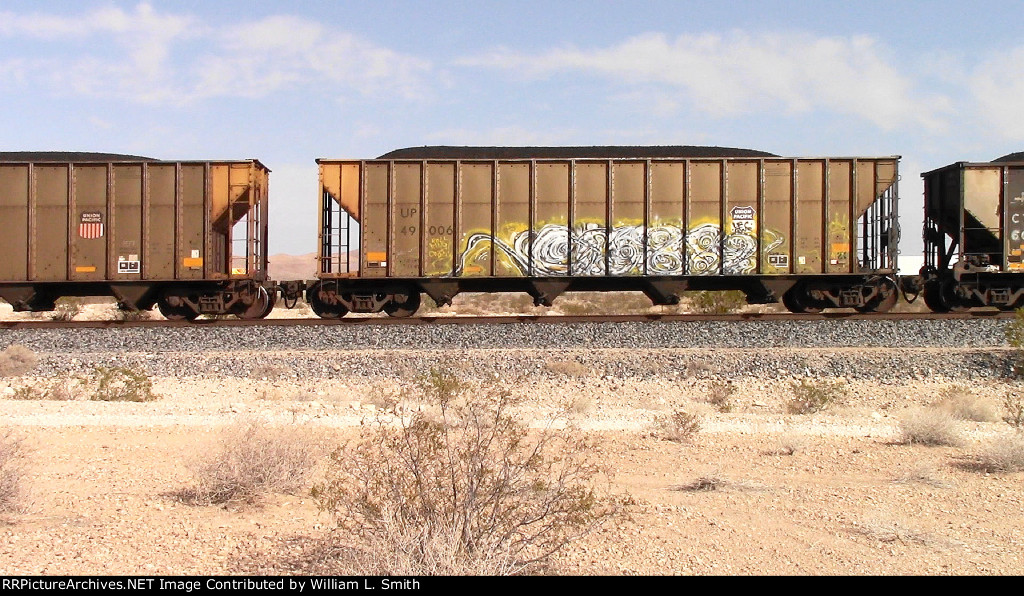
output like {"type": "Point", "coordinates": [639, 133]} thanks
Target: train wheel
{"type": "Point", "coordinates": [947, 292]}
{"type": "Point", "coordinates": [933, 297]}
{"type": "Point", "coordinates": [176, 313]}
{"type": "Point", "coordinates": [887, 297]}
{"type": "Point", "coordinates": [797, 301]}
{"type": "Point", "coordinates": [324, 310]}
{"type": "Point", "coordinates": [271, 303]}
{"type": "Point", "coordinates": [260, 307]}
{"type": "Point", "coordinates": [405, 309]}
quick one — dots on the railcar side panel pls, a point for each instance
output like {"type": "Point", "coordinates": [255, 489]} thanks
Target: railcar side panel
{"type": "Point", "coordinates": [809, 215]}
{"type": "Point", "coordinates": [513, 212]}
{"type": "Point", "coordinates": [126, 221]}
{"type": "Point", "coordinates": [159, 252]}
{"type": "Point", "coordinates": [403, 193]}
{"type": "Point", "coordinates": [589, 240]}
{"type": "Point", "coordinates": [438, 248]}
{"type": "Point", "coordinates": [704, 219]}
{"type": "Point", "coordinates": [776, 218]}
{"type": "Point", "coordinates": [741, 216]}
{"type": "Point", "coordinates": [48, 259]}
{"type": "Point", "coordinates": [191, 222]}
{"type": "Point", "coordinates": [550, 242]}
{"type": "Point", "coordinates": [14, 222]}
{"type": "Point", "coordinates": [837, 239]}
{"type": "Point", "coordinates": [627, 234]}
{"type": "Point", "coordinates": [475, 232]}
{"type": "Point", "coordinates": [90, 223]}
{"type": "Point", "coordinates": [665, 249]}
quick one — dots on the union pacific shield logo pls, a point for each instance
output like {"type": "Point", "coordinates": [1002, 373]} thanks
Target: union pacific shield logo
{"type": "Point", "coordinates": [91, 225]}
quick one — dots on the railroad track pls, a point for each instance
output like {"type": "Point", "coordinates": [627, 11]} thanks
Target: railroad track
{"type": "Point", "coordinates": [510, 319]}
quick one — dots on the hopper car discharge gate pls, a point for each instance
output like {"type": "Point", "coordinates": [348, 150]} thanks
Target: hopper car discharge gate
{"type": "Point", "coordinates": [188, 237]}
{"type": "Point", "coordinates": [814, 233]}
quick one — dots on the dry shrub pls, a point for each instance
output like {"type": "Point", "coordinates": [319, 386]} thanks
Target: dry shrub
{"type": "Point", "coordinates": [963, 405]}
{"type": "Point", "coordinates": [717, 302]}
{"type": "Point", "coordinates": [121, 383]}
{"type": "Point", "coordinates": [17, 360]}
{"type": "Point", "coordinates": [679, 427]}
{"type": "Point", "coordinates": [1013, 403]}
{"type": "Point", "coordinates": [67, 309]}
{"type": "Point", "coordinates": [720, 395]}
{"type": "Point", "coordinates": [464, 489]}
{"type": "Point", "coordinates": [569, 368]}
{"type": "Point", "coordinates": [584, 404]}
{"type": "Point", "coordinates": [131, 314]}
{"type": "Point", "coordinates": [1004, 454]}
{"type": "Point", "coordinates": [887, 530]}
{"type": "Point", "coordinates": [814, 395]}
{"type": "Point", "coordinates": [268, 372]}
{"type": "Point", "coordinates": [702, 484]}
{"type": "Point", "coordinates": [788, 444]}
{"type": "Point", "coordinates": [603, 303]}
{"type": "Point", "coordinates": [53, 390]}
{"type": "Point", "coordinates": [12, 471]}
{"type": "Point", "coordinates": [254, 459]}
{"type": "Point", "coordinates": [930, 426]}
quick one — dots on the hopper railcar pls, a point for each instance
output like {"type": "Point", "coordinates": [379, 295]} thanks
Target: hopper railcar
{"type": "Point", "coordinates": [814, 233]}
{"type": "Point", "coordinates": [186, 236]}
{"type": "Point", "coordinates": [973, 236]}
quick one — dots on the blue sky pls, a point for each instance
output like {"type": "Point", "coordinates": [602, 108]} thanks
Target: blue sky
{"type": "Point", "coordinates": [285, 82]}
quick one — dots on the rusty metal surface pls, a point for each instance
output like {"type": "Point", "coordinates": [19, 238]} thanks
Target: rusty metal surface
{"type": "Point", "coordinates": [122, 220]}
{"type": "Point", "coordinates": [607, 217]}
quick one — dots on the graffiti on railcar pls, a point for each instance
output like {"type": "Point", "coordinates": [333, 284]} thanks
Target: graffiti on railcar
{"type": "Point", "coordinates": [592, 249]}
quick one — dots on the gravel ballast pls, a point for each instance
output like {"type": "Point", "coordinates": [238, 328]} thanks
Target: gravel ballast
{"type": "Point", "coordinates": [647, 335]}
{"type": "Point", "coordinates": [882, 350]}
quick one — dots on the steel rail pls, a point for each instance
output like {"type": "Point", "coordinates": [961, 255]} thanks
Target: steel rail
{"type": "Point", "coordinates": [510, 319]}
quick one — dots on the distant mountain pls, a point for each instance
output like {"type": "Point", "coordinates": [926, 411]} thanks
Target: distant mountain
{"type": "Point", "coordinates": [294, 267]}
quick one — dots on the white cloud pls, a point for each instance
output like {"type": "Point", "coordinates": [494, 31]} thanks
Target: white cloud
{"type": "Point", "coordinates": [146, 56]}
{"type": "Point", "coordinates": [997, 87]}
{"type": "Point", "coordinates": [741, 73]}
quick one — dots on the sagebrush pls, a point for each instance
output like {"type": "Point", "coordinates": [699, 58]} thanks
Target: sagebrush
{"type": "Point", "coordinates": [930, 426]}
{"type": "Point", "coordinates": [680, 426]}
{"type": "Point", "coordinates": [814, 395]}
{"type": "Point", "coordinates": [462, 488]}
{"type": "Point", "coordinates": [1003, 454]}
{"type": "Point", "coordinates": [12, 471]}
{"type": "Point", "coordinates": [121, 383]}
{"type": "Point", "coordinates": [253, 459]}
{"type": "Point", "coordinates": [964, 405]}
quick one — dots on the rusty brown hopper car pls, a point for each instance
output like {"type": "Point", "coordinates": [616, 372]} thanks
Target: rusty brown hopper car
{"type": "Point", "coordinates": [813, 232]}
{"type": "Point", "coordinates": [974, 235]}
{"type": "Point", "coordinates": [187, 236]}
